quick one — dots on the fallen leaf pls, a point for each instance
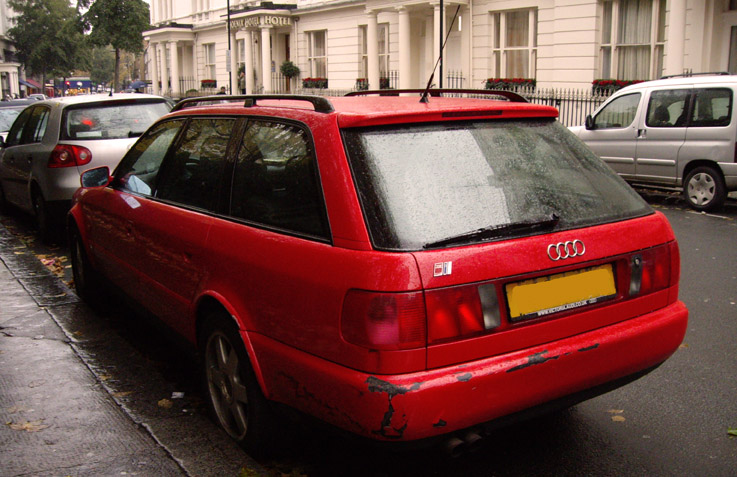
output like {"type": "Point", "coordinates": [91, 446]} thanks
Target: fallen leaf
{"type": "Point", "coordinates": [732, 432]}
{"type": "Point", "coordinates": [28, 426]}
{"type": "Point", "coordinates": [615, 411]}
{"type": "Point", "coordinates": [618, 418]}
{"type": "Point", "coordinates": [165, 403]}
{"type": "Point", "coordinates": [122, 394]}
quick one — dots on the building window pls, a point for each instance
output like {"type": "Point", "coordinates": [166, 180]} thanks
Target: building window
{"type": "Point", "coordinates": [209, 60]}
{"type": "Point", "coordinates": [514, 44]}
{"type": "Point", "coordinates": [317, 54]}
{"type": "Point", "coordinates": [383, 48]}
{"type": "Point", "coordinates": [632, 39]}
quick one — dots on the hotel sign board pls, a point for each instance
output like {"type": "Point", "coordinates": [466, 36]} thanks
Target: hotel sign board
{"type": "Point", "coordinates": [260, 21]}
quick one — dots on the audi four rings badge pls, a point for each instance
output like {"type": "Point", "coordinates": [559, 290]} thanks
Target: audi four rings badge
{"type": "Point", "coordinates": [568, 249]}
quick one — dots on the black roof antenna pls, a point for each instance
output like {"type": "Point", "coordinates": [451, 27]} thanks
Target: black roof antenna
{"type": "Point", "coordinates": [425, 94]}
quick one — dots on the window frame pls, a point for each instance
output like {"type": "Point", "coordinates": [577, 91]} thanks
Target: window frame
{"type": "Point", "coordinates": [209, 61]}
{"type": "Point", "coordinates": [314, 60]}
{"type": "Point", "coordinates": [500, 51]}
{"type": "Point", "coordinates": [611, 46]}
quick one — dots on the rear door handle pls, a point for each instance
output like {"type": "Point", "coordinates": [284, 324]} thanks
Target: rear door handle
{"type": "Point", "coordinates": [641, 133]}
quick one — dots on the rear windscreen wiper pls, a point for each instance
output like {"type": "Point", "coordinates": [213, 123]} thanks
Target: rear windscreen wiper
{"type": "Point", "coordinates": [497, 231]}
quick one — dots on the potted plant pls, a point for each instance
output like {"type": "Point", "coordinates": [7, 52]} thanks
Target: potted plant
{"type": "Point", "coordinates": [608, 86]}
{"type": "Point", "coordinates": [289, 70]}
{"type": "Point", "coordinates": [361, 84]}
{"type": "Point", "coordinates": [510, 84]}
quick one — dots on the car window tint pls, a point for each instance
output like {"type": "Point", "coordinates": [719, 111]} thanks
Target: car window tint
{"type": "Point", "coordinates": [138, 170]}
{"type": "Point", "coordinates": [16, 131]}
{"type": "Point", "coordinates": [111, 120]}
{"type": "Point", "coordinates": [619, 113]}
{"type": "Point", "coordinates": [276, 180]}
{"type": "Point", "coordinates": [712, 107]}
{"type": "Point", "coordinates": [192, 173]}
{"type": "Point", "coordinates": [667, 108]}
{"type": "Point", "coordinates": [36, 127]}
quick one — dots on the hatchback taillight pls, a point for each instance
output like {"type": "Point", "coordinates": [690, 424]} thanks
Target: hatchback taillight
{"type": "Point", "coordinates": [654, 269]}
{"type": "Point", "coordinates": [67, 155]}
{"type": "Point", "coordinates": [384, 321]}
{"type": "Point", "coordinates": [460, 312]}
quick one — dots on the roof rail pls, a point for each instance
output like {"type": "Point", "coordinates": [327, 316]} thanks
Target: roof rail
{"type": "Point", "coordinates": [688, 75]}
{"type": "Point", "coordinates": [513, 97]}
{"type": "Point", "coordinates": [321, 104]}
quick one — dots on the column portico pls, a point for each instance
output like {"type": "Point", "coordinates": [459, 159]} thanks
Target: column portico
{"type": "Point", "coordinates": [175, 92]}
{"type": "Point", "coordinates": [155, 76]}
{"type": "Point", "coordinates": [405, 79]}
{"type": "Point", "coordinates": [266, 58]}
{"type": "Point", "coordinates": [372, 49]}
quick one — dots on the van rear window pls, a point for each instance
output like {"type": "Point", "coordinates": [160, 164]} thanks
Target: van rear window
{"type": "Point", "coordinates": [434, 185]}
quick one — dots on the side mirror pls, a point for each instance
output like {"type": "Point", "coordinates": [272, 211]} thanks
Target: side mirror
{"type": "Point", "coordinates": [97, 177]}
{"type": "Point", "coordinates": [589, 123]}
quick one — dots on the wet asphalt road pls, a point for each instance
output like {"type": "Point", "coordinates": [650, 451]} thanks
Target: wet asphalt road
{"type": "Point", "coordinates": [130, 372]}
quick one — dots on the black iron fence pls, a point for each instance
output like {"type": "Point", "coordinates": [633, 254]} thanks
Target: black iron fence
{"type": "Point", "coordinates": [573, 105]}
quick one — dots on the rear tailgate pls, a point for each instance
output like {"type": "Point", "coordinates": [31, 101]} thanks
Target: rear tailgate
{"type": "Point", "coordinates": [601, 271]}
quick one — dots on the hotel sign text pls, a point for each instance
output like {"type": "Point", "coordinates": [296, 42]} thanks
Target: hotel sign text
{"type": "Point", "coordinates": [258, 21]}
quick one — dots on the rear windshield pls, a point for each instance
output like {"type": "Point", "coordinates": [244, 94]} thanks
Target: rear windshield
{"type": "Point", "coordinates": [425, 186]}
{"type": "Point", "coordinates": [111, 120]}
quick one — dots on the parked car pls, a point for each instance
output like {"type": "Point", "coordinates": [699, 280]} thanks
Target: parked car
{"type": "Point", "coordinates": [678, 132]}
{"type": "Point", "coordinates": [401, 270]}
{"type": "Point", "coordinates": [51, 142]}
{"type": "Point", "coordinates": [9, 110]}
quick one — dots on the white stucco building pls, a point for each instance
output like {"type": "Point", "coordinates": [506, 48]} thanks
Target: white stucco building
{"type": "Point", "coordinates": [559, 43]}
{"type": "Point", "coordinates": [9, 66]}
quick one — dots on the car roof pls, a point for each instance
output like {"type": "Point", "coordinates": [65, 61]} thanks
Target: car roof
{"type": "Point", "coordinates": [360, 110]}
{"type": "Point", "coordinates": [96, 98]}
{"type": "Point", "coordinates": [685, 80]}
{"type": "Point", "coordinates": [17, 103]}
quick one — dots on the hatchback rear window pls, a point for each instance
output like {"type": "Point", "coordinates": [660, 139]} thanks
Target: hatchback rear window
{"type": "Point", "coordinates": [111, 120]}
{"type": "Point", "coordinates": [436, 185]}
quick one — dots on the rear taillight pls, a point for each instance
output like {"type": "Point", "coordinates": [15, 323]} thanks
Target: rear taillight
{"type": "Point", "coordinates": [67, 155]}
{"type": "Point", "coordinates": [460, 312]}
{"type": "Point", "coordinates": [654, 269]}
{"type": "Point", "coordinates": [384, 321]}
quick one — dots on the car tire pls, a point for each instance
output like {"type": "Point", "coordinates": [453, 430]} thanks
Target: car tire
{"type": "Point", "coordinates": [235, 397]}
{"type": "Point", "coordinates": [43, 220]}
{"type": "Point", "coordinates": [87, 282]}
{"type": "Point", "coordinates": [704, 189]}
{"type": "Point", "coordinates": [4, 205]}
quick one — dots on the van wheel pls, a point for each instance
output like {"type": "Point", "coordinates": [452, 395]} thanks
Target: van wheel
{"type": "Point", "coordinates": [704, 189]}
{"type": "Point", "coordinates": [234, 394]}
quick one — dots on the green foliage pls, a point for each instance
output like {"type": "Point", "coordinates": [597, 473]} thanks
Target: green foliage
{"type": "Point", "coordinates": [289, 69]}
{"type": "Point", "coordinates": [119, 23]}
{"type": "Point", "coordinates": [48, 37]}
{"type": "Point", "coordinates": [102, 65]}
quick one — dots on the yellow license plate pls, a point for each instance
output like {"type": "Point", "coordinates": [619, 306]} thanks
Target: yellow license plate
{"type": "Point", "coordinates": [564, 291]}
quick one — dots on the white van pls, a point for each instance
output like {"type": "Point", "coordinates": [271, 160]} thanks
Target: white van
{"type": "Point", "coordinates": [677, 132]}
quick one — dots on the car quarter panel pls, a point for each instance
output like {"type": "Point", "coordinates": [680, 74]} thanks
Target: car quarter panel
{"type": "Point", "coordinates": [291, 289]}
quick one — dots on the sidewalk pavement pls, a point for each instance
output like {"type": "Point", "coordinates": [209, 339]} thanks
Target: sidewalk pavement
{"type": "Point", "coordinates": [58, 417]}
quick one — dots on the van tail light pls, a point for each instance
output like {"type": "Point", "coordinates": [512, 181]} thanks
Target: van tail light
{"type": "Point", "coordinates": [654, 269]}
{"type": "Point", "coordinates": [384, 321]}
{"type": "Point", "coordinates": [67, 155]}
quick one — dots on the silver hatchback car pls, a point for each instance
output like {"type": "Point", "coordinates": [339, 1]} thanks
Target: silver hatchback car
{"type": "Point", "coordinates": [53, 141]}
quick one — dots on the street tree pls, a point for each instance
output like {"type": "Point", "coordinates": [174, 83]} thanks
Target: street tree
{"type": "Point", "coordinates": [48, 37]}
{"type": "Point", "coordinates": [118, 23]}
{"type": "Point", "coordinates": [102, 66]}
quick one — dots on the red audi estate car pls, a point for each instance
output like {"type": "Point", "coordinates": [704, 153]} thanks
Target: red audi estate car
{"type": "Point", "coordinates": [404, 270]}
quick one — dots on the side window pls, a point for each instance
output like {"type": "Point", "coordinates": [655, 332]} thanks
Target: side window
{"type": "Point", "coordinates": [192, 173]}
{"type": "Point", "coordinates": [668, 108]}
{"type": "Point", "coordinates": [36, 126]}
{"type": "Point", "coordinates": [712, 107]}
{"type": "Point", "coordinates": [619, 113]}
{"type": "Point", "coordinates": [276, 180]}
{"type": "Point", "coordinates": [16, 131]}
{"type": "Point", "coordinates": [138, 170]}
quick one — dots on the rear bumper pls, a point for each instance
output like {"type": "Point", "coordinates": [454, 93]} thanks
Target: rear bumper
{"type": "Point", "coordinates": [439, 401]}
